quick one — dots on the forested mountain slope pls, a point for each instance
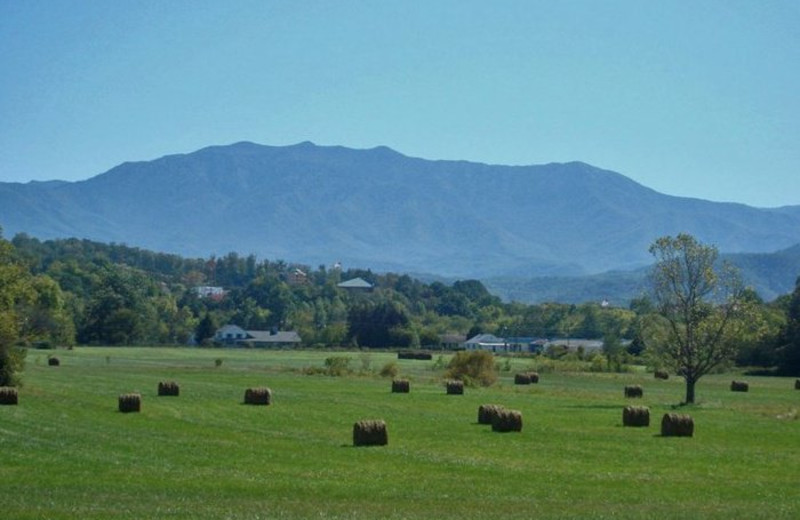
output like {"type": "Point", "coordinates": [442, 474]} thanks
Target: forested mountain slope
{"type": "Point", "coordinates": [380, 209]}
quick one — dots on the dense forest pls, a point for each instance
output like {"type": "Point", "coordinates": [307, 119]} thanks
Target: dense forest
{"type": "Point", "coordinates": [59, 293]}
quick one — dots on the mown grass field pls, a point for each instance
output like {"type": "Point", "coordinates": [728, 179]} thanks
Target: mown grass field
{"type": "Point", "coordinates": [66, 451]}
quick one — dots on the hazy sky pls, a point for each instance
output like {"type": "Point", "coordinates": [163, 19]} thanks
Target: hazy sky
{"type": "Point", "coordinates": [694, 98]}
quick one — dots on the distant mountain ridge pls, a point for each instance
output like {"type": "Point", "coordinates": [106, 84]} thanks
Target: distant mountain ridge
{"type": "Point", "coordinates": [380, 209]}
{"type": "Point", "coordinates": [769, 274]}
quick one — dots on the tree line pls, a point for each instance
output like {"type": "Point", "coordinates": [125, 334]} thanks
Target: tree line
{"type": "Point", "coordinates": [59, 293]}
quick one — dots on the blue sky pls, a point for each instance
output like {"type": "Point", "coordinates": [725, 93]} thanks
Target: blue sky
{"type": "Point", "coordinates": [691, 98]}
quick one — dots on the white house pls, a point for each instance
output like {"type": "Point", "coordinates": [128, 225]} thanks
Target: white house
{"type": "Point", "coordinates": [234, 335]}
{"type": "Point", "coordinates": [488, 342]}
{"type": "Point", "coordinates": [358, 284]}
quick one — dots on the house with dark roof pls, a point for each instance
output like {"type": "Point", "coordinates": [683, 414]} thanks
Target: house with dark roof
{"type": "Point", "coordinates": [235, 336]}
{"type": "Point", "coordinates": [497, 345]}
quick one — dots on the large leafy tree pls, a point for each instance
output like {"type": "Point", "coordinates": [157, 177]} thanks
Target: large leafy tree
{"type": "Point", "coordinates": [699, 305]}
{"type": "Point", "coordinates": [16, 293]}
{"type": "Point", "coordinates": [789, 351]}
{"type": "Point", "coordinates": [378, 326]}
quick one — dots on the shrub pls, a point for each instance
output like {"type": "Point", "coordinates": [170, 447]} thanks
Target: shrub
{"type": "Point", "coordinates": [455, 387]}
{"type": "Point", "coordinates": [400, 386]}
{"type": "Point", "coordinates": [8, 395]}
{"type": "Point", "coordinates": [314, 371]}
{"type": "Point", "coordinates": [366, 362]}
{"type": "Point", "coordinates": [661, 374]}
{"type": "Point", "coordinates": [53, 361]}
{"type": "Point", "coordinates": [261, 396]}
{"type": "Point", "coordinates": [370, 433]}
{"type": "Point", "coordinates": [12, 361]}
{"type": "Point", "coordinates": [337, 365]}
{"type": "Point", "coordinates": [544, 366]}
{"type": "Point", "coordinates": [739, 386]}
{"type": "Point", "coordinates": [475, 367]}
{"type": "Point", "coordinates": [598, 363]}
{"type": "Point", "coordinates": [390, 369]}
{"type": "Point", "coordinates": [507, 421]}
{"type": "Point", "coordinates": [130, 403]}
{"type": "Point", "coordinates": [168, 388]}
{"type": "Point", "coordinates": [636, 416]}
{"type": "Point", "coordinates": [677, 425]}
{"type": "Point", "coordinates": [218, 362]}
{"type": "Point", "coordinates": [797, 384]}
{"type": "Point", "coordinates": [487, 412]}
{"type": "Point", "coordinates": [634, 391]}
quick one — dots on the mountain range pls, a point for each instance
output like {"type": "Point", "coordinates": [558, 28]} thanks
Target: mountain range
{"type": "Point", "coordinates": [380, 209]}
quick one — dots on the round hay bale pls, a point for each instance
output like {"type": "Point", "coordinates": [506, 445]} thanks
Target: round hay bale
{"type": "Point", "coordinates": [739, 386]}
{"type": "Point", "coordinates": [677, 425]}
{"type": "Point", "coordinates": [636, 416]}
{"type": "Point", "coordinates": [8, 395]}
{"type": "Point", "coordinates": [487, 413]}
{"type": "Point", "coordinates": [661, 374]}
{"type": "Point", "coordinates": [507, 421]}
{"type": "Point", "coordinates": [130, 403]}
{"type": "Point", "coordinates": [522, 379]}
{"type": "Point", "coordinates": [797, 384]}
{"type": "Point", "coordinates": [634, 391]}
{"type": "Point", "coordinates": [455, 387]}
{"type": "Point", "coordinates": [401, 386]}
{"type": "Point", "coordinates": [534, 377]}
{"type": "Point", "coordinates": [259, 396]}
{"type": "Point", "coordinates": [370, 433]}
{"type": "Point", "coordinates": [53, 361]}
{"type": "Point", "coordinates": [168, 388]}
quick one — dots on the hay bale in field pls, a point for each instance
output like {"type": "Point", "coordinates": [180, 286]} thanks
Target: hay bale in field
{"type": "Point", "coordinates": [53, 361]}
{"type": "Point", "coordinates": [455, 387]}
{"type": "Point", "coordinates": [522, 379]}
{"type": "Point", "coordinates": [507, 421]}
{"type": "Point", "coordinates": [400, 386]}
{"type": "Point", "coordinates": [422, 356]}
{"type": "Point", "coordinates": [8, 395]}
{"type": "Point", "coordinates": [534, 377]}
{"type": "Point", "coordinates": [168, 388]}
{"type": "Point", "coordinates": [487, 412]}
{"type": "Point", "coordinates": [634, 391]}
{"type": "Point", "coordinates": [661, 374]}
{"type": "Point", "coordinates": [677, 425]}
{"type": "Point", "coordinates": [261, 395]}
{"type": "Point", "coordinates": [739, 386]}
{"type": "Point", "coordinates": [130, 403]}
{"type": "Point", "coordinates": [636, 416]}
{"type": "Point", "coordinates": [370, 433]}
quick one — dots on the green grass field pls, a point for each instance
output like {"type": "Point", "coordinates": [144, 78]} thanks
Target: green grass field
{"type": "Point", "coordinates": [66, 451]}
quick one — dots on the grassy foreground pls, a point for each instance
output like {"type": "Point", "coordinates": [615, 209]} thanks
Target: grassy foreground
{"type": "Point", "coordinates": [66, 452]}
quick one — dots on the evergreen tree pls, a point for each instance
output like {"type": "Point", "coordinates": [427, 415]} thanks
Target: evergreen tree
{"type": "Point", "coordinates": [205, 329]}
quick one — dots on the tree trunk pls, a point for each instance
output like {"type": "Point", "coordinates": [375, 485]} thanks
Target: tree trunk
{"type": "Point", "coordinates": [690, 391]}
